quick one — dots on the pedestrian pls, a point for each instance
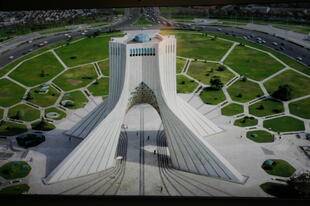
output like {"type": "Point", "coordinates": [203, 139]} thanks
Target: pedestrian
{"type": "Point", "coordinates": [154, 151]}
{"type": "Point", "coordinates": [148, 137]}
{"type": "Point", "coordinates": [161, 188]}
{"type": "Point", "coordinates": [137, 133]}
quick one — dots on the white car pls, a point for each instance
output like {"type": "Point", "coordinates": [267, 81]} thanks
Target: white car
{"type": "Point", "coordinates": [30, 41]}
{"type": "Point", "coordinates": [219, 29]}
{"type": "Point", "coordinates": [299, 58]}
{"type": "Point", "coordinates": [11, 57]}
{"type": "Point", "coordinates": [275, 43]}
{"type": "Point", "coordinates": [45, 42]}
{"type": "Point", "coordinates": [83, 33]}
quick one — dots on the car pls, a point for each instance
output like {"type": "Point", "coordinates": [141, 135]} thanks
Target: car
{"type": "Point", "coordinates": [30, 41]}
{"type": "Point", "coordinates": [245, 37]}
{"type": "Point", "coordinates": [41, 44]}
{"type": "Point", "coordinates": [45, 42]}
{"type": "Point", "coordinates": [219, 29]}
{"type": "Point", "coordinates": [282, 48]}
{"type": "Point", "coordinates": [299, 58]}
{"type": "Point", "coordinates": [282, 44]}
{"type": "Point", "coordinates": [30, 50]}
{"type": "Point", "coordinates": [83, 33]}
{"type": "Point", "coordinates": [275, 43]}
{"type": "Point", "coordinates": [264, 41]}
{"type": "Point", "coordinates": [11, 57]}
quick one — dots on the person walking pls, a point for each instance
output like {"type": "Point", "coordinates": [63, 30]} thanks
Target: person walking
{"type": "Point", "coordinates": [154, 151]}
{"type": "Point", "coordinates": [161, 188]}
{"type": "Point", "coordinates": [148, 137]}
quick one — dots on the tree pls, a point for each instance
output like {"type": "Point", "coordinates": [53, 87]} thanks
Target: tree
{"type": "Point", "coordinates": [300, 184]}
{"type": "Point", "coordinates": [42, 74]}
{"type": "Point", "coordinates": [244, 79]}
{"type": "Point", "coordinates": [221, 68]}
{"type": "Point", "coordinates": [29, 96]}
{"type": "Point", "coordinates": [284, 92]}
{"type": "Point", "coordinates": [216, 82]}
{"type": "Point", "coordinates": [18, 115]}
{"type": "Point", "coordinates": [261, 107]}
{"type": "Point", "coordinates": [42, 124]}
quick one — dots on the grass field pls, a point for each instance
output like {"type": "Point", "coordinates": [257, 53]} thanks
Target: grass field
{"type": "Point", "coordinates": [104, 67]}
{"type": "Point", "coordinates": [278, 190]}
{"type": "Point", "coordinates": [295, 28]}
{"type": "Point", "coordinates": [78, 97]}
{"type": "Point", "coordinates": [30, 72]}
{"type": "Point", "coordinates": [297, 81]}
{"type": "Point", "coordinates": [232, 109]}
{"type": "Point", "coordinates": [44, 100]}
{"type": "Point", "coordinates": [288, 60]}
{"type": "Point", "coordinates": [15, 189]}
{"type": "Point", "coordinates": [204, 71]}
{"type": "Point", "coordinates": [260, 136]}
{"type": "Point", "coordinates": [46, 127]}
{"type": "Point", "coordinates": [76, 77]}
{"type": "Point", "coordinates": [11, 129]}
{"type": "Point", "coordinates": [284, 124]}
{"type": "Point", "coordinates": [266, 107]}
{"type": "Point", "coordinates": [100, 87]}
{"type": "Point", "coordinates": [180, 63]}
{"type": "Point", "coordinates": [213, 97]}
{"type": "Point", "coordinates": [301, 108]}
{"type": "Point", "coordinates": [143, 21]}
{"type": "Point", "coordinates": [246, 122]}
{"type": "Point", "coordinates": [27, 113]}
{"type": "Point", "coordinates": [14, 170]}
{"type": "Point", "coordinates": [1, 113]}
{"type": "Point", "coordinates": [199, 46]}
{"type": "Point", "coordinates": [7, 89]}
{"type": "Point", "coordinates": [251, 63]}
{"type": "Point", "coordinates": [280, 168]}
{"type": "Point", "coordinates": [244, 91]}
{"type": "Point", "coordinates": [61, 113]}
{"type": "Point", "coordinates": [87, 50]}
{"type": "Point", "coordinates": [185, 85]}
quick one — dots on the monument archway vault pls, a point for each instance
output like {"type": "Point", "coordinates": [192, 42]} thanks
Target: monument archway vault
{"type": "Point", "coordinates": [144, 60]}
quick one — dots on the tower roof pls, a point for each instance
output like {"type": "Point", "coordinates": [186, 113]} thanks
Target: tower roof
{"type": "Point", "coordinates": [142, 38]}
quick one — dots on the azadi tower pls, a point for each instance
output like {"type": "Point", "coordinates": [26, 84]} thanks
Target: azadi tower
{"type": "Point", "coordinates": [143, 70]}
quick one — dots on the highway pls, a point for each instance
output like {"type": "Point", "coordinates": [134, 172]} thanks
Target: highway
{"type": "Point", "coordinates": [132, 15]}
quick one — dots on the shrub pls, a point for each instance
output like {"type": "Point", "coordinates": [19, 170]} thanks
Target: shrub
{"type": "Point", "coordinates": [221, 68]}
{"type": "Point", "coordinates": [284, 92]}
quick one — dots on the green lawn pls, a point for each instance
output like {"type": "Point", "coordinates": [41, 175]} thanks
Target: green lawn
{"type": "Point", "coordinates": [143, 21]}
{"type": "Point", "coordinates": [246, 122]}
{"type": "Point", "coordinates": [11, 129]}
{"type": "Point", "coordinates": [280, 168]}
{"type": "Point", "coordinates": [185, 85]}
{"type": "Point", "coordinates": [180, 63]}
{"type": "Point", "coordinates": [251, 63]}
{"type": "Point", "coordinates": [204, 71]}
{"type": "Point", "coordinates": [15, 189]}
{"type": "Point", "coordinates": [266, 107]}
{"type": "Point", "coordinates": [10, 66]}
{"type": "Point", "coordinates": [1, 113]}
{"type": "Point", "coordinates": [78, 97]}
{"type": "Point", "coordinates": [297, 81]}
{"type": "Point", "coordinates": [26, 113]}
{"type": "Point", "coordinates": [59, 111]}
{"type": "Point", "coordinates": [199, 46]}
{"type": "Point", "coordinates": [7, 90]}
{"type": "Point", "coordinates": [104, 67]}
{"type": "Point", "coordinates": [232, 109]}
{"type": "Point", "coordinates": [295, 28]}
{"type": "Point", "coordinates": [46, 127]}
{"type": "Point", "coordinates": [76, 77]}
{"type": "Point", "coordinates": [38, 70]}
{"type": "Point", "coordinates": [301, 108]}
{"type": "Point", "coordinates": [44, 100]}
{"type": "Point", "coordinates": [260, 136]}
{"type": "Point", "coordinates": [213, 97]}
{"type": "Point", "coordinates": [14, 170]}
{"type": "Point", "coordinates": [100, 87]}
{"type": "Point", "coordinates": [284, 124]}
{"type": "Point", "coordinates": [242, 91]}
{"type": "Point", "coordinates": [286, 59]}
{"type": "Point", "coordinates": [87, 50]}
{"type": "Point", "coordinates": [278, 190]}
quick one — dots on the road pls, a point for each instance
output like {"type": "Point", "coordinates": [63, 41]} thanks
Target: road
{"type": "Point", "coordinates": [153, 14]}
{"type": "Point", "coordinates": [131, 16]}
